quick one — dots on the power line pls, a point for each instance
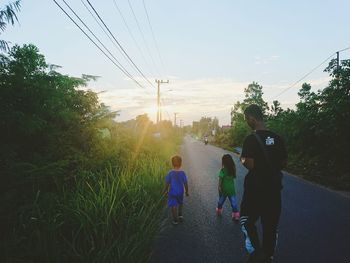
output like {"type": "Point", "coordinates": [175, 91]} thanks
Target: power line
{"type": "Point", "coordinates": [107, 34]}
{"type": "Point", "coordinates": [143, 37]}
{"type": "Point", "coordinates": [125, 54]}
{"type": "Point", "coordinates": [306, 75]}
{"type": "Point", "coordinates": [309, 73]}
{"type": "Point", "coordinates": [120, 46]}
{"type": "Point", "coordinates": [344, 49]}
{"type": "Point", "coordinates": [124, 70]}
{"type": "Point", "coordinates": [130, 32]}
{"type": "Point", "coordinates": [116, 62]}
{"type": "Point", "coordinates": [82, 30]}
{"type": "Point", "coordinates": [154, 38]}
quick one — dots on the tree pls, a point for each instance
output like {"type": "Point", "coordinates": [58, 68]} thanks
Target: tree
{"type": "Point", "coordinates": [239, 128]}
{"type": "Point", "coordinates": [44, 115]}
{"type": "Point", "coordinates": [253, 95]}
{"type": "Point", "coordinates": [304, 93]}
{"type": "Point", "coordinates": [316, 132]}
{"type": "Point", "coordinates": [276, 108]}
{"type": "Point", "coordinates": [205, 126]}
{"type": "Point", "coordinates": [8, 16]}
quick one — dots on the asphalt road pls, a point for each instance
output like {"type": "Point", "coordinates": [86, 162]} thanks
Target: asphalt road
{"type": "Point", "coordinates": [314, 226]}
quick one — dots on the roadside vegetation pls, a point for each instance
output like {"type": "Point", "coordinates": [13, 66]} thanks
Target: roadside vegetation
{"type": "Point", "coordinates": [76, 186]}
{"type": "Point", "coordinates": [316, 132]}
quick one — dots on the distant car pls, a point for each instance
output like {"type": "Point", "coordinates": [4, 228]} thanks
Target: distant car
{"type": "Point", "coordinates": [237, 150]}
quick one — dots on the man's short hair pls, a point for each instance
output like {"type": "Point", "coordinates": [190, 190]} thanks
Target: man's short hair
{"type": "Point", "coordinates": [254, 111]}
{"type": "Point", "coordinates": [176, 161]}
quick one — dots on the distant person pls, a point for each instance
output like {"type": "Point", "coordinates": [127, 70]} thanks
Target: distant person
{"type": "Point", "coordinates": [175, 182]}
{"type": "Point", "coordinates": [227, 175]}
{"type": "Point", "coordinates": [264, 155]}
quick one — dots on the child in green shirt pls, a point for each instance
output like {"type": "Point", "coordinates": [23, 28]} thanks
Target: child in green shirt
{"type": "Point", "coordinates": [227, 177]}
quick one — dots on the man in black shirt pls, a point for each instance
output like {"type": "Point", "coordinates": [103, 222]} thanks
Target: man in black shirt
{"type": "Point", "coordinates": [264, 155]}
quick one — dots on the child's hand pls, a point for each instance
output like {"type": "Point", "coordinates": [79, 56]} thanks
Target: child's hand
{"type": "Point", "coordinates": [220, 190]}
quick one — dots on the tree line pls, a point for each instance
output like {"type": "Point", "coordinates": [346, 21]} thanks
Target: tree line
{"type": "Point", "coordinates": [316, 131]}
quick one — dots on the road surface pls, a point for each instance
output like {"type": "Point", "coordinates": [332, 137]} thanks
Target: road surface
{"type": "Point", "coordinates": [314, 225]}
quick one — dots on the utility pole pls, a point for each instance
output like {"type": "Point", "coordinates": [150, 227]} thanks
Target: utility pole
{"type": "Point", "coordinates": [337, 60]}
{"type": "Point", "coordinates": [159, 113]}
{"type": "Point", "coordinates": [175, 113]}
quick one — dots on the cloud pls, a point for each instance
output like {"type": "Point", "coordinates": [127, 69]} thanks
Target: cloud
{"type": "Point", "coordinates": [192, 99]}
{"type": "Point", "coordinates": [258, 60]}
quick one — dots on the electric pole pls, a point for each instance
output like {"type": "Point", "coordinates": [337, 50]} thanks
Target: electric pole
{"type": "Point", "coordinates": [159, 113]}
{"type": "Point", "coordinates": [175, 113]}
{"type": "Point", "coordinates": [337, 60]}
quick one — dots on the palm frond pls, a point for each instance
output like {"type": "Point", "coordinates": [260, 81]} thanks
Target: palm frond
{"type": "Point", "coordinates": [8, 13]}
{"type": "Point", "coordinates": [4, 47]}
{"type": "Point", "coordinates": [2, 26]}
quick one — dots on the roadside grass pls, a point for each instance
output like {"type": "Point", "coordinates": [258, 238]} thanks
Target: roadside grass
{"type": "Point", "coordinates": [320, 173]}
{"type": "Point", "coordinates": [110, 215]}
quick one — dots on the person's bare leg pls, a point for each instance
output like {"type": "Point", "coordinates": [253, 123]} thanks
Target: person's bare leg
{"type": "Point", "coordinates": [174, 213]}
{"type": "Point", "coordinates": [180, 212]}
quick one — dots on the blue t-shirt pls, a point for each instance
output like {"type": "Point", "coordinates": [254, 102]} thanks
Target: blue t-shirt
{"type": "Point", "coordinates": [176, 179]}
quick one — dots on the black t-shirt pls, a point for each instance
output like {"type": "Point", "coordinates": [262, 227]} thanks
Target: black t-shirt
{"type": "Point", "coordinates": [265, 175]}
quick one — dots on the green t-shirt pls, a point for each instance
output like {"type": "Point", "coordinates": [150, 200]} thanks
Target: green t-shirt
{"type": "Point", "coordinates": [228, 183]}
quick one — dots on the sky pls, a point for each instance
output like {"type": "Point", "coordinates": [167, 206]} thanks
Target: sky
{"type": "Point", "coordinates": [208, 50]}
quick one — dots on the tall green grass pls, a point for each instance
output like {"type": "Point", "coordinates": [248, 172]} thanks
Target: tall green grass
{"type": "Point", "coordinates": [110, 215]}
{"type": "Point", "coordinates": [113, 214]}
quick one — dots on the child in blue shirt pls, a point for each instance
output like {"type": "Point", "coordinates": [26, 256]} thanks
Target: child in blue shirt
{"type": "Point", "coordinates": [175, 182]}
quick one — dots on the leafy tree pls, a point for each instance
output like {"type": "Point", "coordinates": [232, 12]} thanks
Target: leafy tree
{"type": "Point", "coordinates": [205, 126]}
{"type": "Point", "coordinates": [276, 108]}
{"type": "Point", "coordinates": [316, 132]}
{"type": "Point", "coordinates": [215, 123]}
{"type": "Point", "coordinates": [45, 117]}
{"type": "Point", "coordinates": [253, 95]}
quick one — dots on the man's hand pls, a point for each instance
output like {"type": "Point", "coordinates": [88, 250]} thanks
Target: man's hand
{"type": "Point", "coordinates": [248, 163]}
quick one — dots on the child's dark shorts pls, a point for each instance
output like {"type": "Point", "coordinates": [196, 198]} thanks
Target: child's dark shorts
{"type": "Point", "coordinates": [175, 200]}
